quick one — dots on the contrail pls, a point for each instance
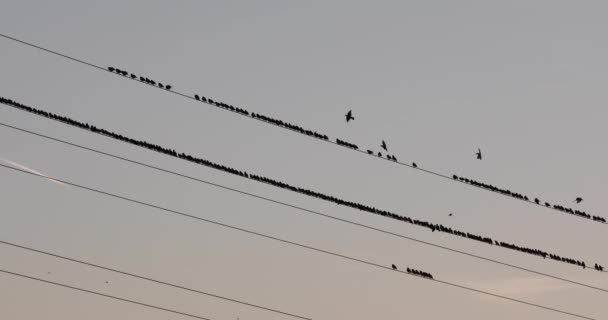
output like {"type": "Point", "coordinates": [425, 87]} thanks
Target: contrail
{"type": "Point", "coordinates": [20, 166]}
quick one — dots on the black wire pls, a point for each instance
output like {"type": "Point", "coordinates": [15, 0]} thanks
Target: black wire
{"type": "Point", "coordinates": [306, 210]}
{"type": "Point", "coordinates": [148, 279]}
{"type": "Point", "coordinates": [293, 243]}
{"type": "Point", "coordinates": [289, 129]}
{"type": "Point", "coordinates": [88, 130]}
{"type": "Point", "coordinates": [104, 295]}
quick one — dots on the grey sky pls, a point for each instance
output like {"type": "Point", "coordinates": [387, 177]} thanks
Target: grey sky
{"type": "Point", "coordinates": [522, 80]}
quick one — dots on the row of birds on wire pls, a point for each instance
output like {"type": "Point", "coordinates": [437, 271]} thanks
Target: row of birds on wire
{"type": "Point", "coordinates": [366, 208]}
{"type": "Point", "coordinates": [349, 117]}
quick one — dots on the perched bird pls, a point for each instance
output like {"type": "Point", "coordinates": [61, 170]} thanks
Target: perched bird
{"type": "Point", "coordinates": [349, 116]}
{"type": "Point", "coordinates": [536, 200]}
{"type": "Point", "coordinates": [379, 154]}
{"type": "Point", "coordinates": [478, 154]}
{"type": "Point", "coordinates": [196, 97]}
{"type": "Point", "coordinates": [578, 200]}
{"type": "Point", "coordinates": [394, 267]}
{"type": "Point", "coordinates": [168, 87]}
{"type": "Point", "coordinates": [414, 165]}
{"type": "Point", "coordinates": [384, 146]}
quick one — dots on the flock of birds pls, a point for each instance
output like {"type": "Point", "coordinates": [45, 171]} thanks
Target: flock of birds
{"type": "Point", "coordinates": [370, 209]}
{"type": "Point", "coordinates": [416, 272]}
{"type": "Point", "coordinates": [349, 117]}
{"type": "Point", "coordinates": [141, 78]}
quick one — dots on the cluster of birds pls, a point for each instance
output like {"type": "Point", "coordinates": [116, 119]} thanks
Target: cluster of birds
{"type": "Point", "coordinates": [262, 117]}
{"type": "Point", "coordinates": [171, 152]}
{"type": "Point", "coordinates": [520, 196]}
{"type": "Point", "coordinates": [479, 156]}
{"type": "Point", "coordinates": [599, 268]}
{"type": "Point", "coordinates": [416, 272]}
{"type": "Point", "coordinates": [141, 78]}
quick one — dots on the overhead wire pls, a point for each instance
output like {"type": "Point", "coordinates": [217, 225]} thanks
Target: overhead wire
{"type": "Point", "coordinates": [133, 275]}
{"type": "Point", "coordinates": [103, 295]}
{"type": "Point", "coordinates": [259, 234]}
{"type": "Point", "coordinates": [200, 161]}
{"type": "Point", "coordinates": [428, 171]}
{"type": "Point", "coordinates": [304, 209]}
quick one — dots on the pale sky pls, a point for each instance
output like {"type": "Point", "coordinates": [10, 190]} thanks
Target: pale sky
{"type": "Point", "coordinates": [522, 80]}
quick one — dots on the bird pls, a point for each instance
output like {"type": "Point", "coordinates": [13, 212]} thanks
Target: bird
{"type": "Point", "coordinates": [578, 200]}
{"type": "Point", "coordinates": [414, 165]}
{"type": "Point", "coordinates": [450, 214]}
{"type": "Point", "coordinates": [384, 145]}
{"type": "Point", "coordinates": [168, 87]}
{"type": "Point", "coordinates": [394, 267]}
{"type": "Point", "coordinates": [349, 116]}
{"type": "Point", "coordinates": [478, 154]}
{"type": "Point", "coordinates": [537, 200]}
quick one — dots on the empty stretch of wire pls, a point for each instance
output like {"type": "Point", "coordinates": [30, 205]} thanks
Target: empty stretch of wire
{"type": "Point", "coordinates": [466, 254]}
{"type": "Point", "coordinates": [366, 208]}
{"type": "Point", "coordinates": [103, 295]}
{"type": "Point", "coordinates": [90, 264]}
{"type": "Point", "coordinates": [323, 137]}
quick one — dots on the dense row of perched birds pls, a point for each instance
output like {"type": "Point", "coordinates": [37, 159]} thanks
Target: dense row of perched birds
{"type": "Point", "coordinates": [141, 78]}
{"type": "Point", "coordinates": [171, 152]}
{"type": "Point", "coordinates": [520, 196]}
{"type": "Point", "coordinates": [416, 272]}
{"type": "Point", "coordinates": [349, 117]}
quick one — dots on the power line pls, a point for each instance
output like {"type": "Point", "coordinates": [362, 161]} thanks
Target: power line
{"type": "Point", "coordinates": [294, 243]}
{"type": "Point", "coordinates": [306, 210]}
{"type": "Point", "coordinates": [279, 184]}
{"type": "Point", "coordinates": [103, 295]}
{"type": "Point", "coordinates": [434, 173]}
{"type": "Point", "coordinates": [149, 279]}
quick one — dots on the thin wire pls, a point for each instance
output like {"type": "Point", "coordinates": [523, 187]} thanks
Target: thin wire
{"type": "Point", "coordinates": [47, 115]}
{"type": "Point", "coordinates": [148, 279]}
{"type": "Point", "coordinates": [289, 129]}
{"type": "Point", "coordinates": [104, 295]}
{"type": "Point", "coordinates": [307, 210]}
{"type": "Point", "coordinates": [295, 243]}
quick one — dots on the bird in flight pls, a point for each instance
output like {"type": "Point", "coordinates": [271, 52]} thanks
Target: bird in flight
{"type": "Point", "coordinates": [578, 200]}
{"type": "Point", "coordinates": [384, 145]}
{"type": "Point", "coordinates": [394, 267]}
{"type": "Point", "coordinates": [478, 154]}
{"type": "Point", "coordinates": [349, 116]}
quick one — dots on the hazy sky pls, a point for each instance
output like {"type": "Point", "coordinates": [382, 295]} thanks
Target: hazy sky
{"type": "Point", "coordinates": [522, 80]}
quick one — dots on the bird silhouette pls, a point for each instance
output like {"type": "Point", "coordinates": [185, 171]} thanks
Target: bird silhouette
{"type": "Point", "coordinates": [384, 145]}
{"type": "Point", "coordinates": [450, 214]}
{"type": "Point", "coordinates": [578, 200]}
{"type": "Point", "coordinates": [478, 154]}
{"type": "Point", "coordinates": [537, 200]}
{"type": "Point", "coordinates": [349, 116]}
{"type": "Point", "coordinates": [394, 267]}
{"type": "Point", "coordinates": [414, 165]}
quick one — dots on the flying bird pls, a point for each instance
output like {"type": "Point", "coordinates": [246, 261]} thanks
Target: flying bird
{"type": "Point", "coordinates": [349, 116]}
{"type": "Point", "coordinates": [394, 267]}
{"type": "Point", "coordinates": [478, 154]}
{"type": "Point", "coordinates": [578, 200]}
{"type": "Point", "coordinates": [384, 145]}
